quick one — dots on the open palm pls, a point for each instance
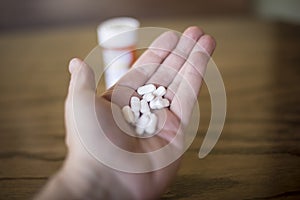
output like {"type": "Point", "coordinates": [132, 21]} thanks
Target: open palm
{"type": "Point", "coordinates": [177, 63]}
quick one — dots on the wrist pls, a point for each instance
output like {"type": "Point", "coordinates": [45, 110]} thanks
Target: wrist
{"type": "Point", "coordinates": [86, 181]}
{"type": "Point", "coordinates": [56, 188]}
{"type": "Point", "coordinates": [89, 180]}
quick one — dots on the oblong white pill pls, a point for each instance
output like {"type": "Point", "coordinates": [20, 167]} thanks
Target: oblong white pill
{"type": "Point", "coordinates": [146, 89]}
{"type": "Point", "coordinates": [148, 97]}
{"type": "Point", "coordinates": [152, 104]}
{"type": "Point", "coordinates": [135, 104]}
{"type": "Point", "coordinates": [128, 114]}
{"type": "Point", "coordinates": [144, 106]}
{"type": "Point", "coordinates": [156, 103]}
{"type": "Point", "coordinates": [160, 91]}
{"type": "Point", "coordinates": [165, 102]}
{"type": "Point", "coordinates": [151, 127]}
{"type": "Point", "coordinates": [143, 121]}
{"type": "Point", "coordinates": [136, 115]}
{"type": "Point", "coordinates": [139, 130]}
{"type": "Point", "coordinates": [159, 103]}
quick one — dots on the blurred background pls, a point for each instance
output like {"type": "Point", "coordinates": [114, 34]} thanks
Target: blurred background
{"type": "Point", "coordinates": [258, 45]}
{"type": "Point", "coordinates": [16, 14]}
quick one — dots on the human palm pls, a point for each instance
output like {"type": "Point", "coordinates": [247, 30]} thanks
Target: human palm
{"type": "Point", "coordinates": [177, 63]}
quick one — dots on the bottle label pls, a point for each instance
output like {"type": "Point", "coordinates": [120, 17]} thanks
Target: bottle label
{"type": "Point", "coordinates": [117, 62]}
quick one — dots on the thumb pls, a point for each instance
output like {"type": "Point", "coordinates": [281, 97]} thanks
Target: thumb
{"type": "Point", "coordinates": [81, 90]}
{"type": "Point", "coordinates": [82, 77]}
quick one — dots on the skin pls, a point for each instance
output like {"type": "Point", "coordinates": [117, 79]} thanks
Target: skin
{"type": "Point", "coordinates": [82, 176]}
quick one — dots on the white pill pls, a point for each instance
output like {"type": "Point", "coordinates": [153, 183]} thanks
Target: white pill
{"type": "Point", "coordinates": [139, 130]}
{"type": "Point", "coordinates": [136, 115]}
{"type": "Point", "coordinates": [135, 104]}
{"type": "Point", "coordinates": [156, 103]}
{"type": "Point", "coordinates": [128, 114]}
{"type": "Point", "coordinates": [160, 91]}
{"type": "Point", "coordinates": [151, 127]}
{"type": "Point", "coordinates": [144, 106]}
{"type": "Point", "coordinates": [165, 103]}
{"type": "Point", "coordinates": [148, 97]}
{"type": "Point", "coordinates": [146, 89]}
{"type": "Point", "coordinates": [153, 104]}
{"type": "Point", "coordinates": [159, 103]}
{"type": "Point", "coordinates": [143, 121]}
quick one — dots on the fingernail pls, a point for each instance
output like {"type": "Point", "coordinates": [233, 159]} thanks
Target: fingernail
{"type": "Point", "coordinates": [74, 65]}
{"type": "Point", "coordinates": [208, 43]}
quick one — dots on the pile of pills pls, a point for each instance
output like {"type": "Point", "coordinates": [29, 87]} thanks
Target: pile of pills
{"type": "Point", "coordinates": [139, 112]}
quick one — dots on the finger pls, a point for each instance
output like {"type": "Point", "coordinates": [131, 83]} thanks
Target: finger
{"type": "Point", "coordinates": [82, 77]}
{"type": "Point", "coordinates": [172, 64]}
{"type": "Point", "coordinates": [205, 44]}
{"type": "Point", "coordinates": [82, 83]}
{"type": "Point", "coordinates": [147, 64]}
{"type": "Point", "coordinates": [187, 92]}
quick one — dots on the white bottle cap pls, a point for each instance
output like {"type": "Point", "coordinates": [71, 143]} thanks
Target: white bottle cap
{"type": "Point", "coordinates": [118, 32]}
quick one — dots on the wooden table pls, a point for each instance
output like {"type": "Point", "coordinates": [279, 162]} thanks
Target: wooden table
{"type": "Point", "coordinates": [257, 156]}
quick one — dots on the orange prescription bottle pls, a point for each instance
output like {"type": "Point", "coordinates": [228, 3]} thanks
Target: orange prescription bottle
{"type": "Point", "coordinates": [118, 38]}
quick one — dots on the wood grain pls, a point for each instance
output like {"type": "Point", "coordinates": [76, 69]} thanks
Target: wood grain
{"type": "Point", "coordinates": [257, 156]}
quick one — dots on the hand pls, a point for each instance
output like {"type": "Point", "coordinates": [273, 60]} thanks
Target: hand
{"type": "Point", "coordinates": [85, 177]}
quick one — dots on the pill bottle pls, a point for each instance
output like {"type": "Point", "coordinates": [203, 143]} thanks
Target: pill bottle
{"type": "Point", "coordinates": [117, 38]}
